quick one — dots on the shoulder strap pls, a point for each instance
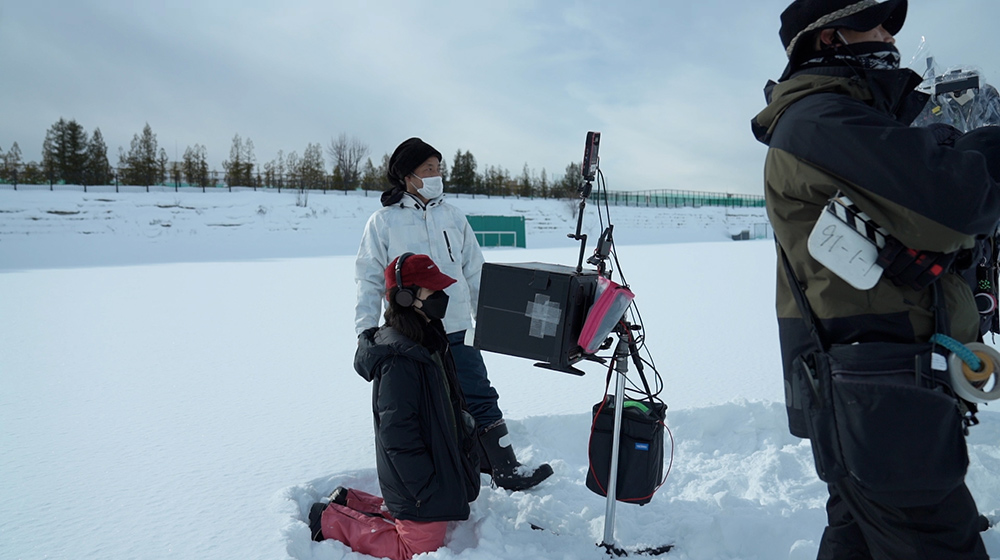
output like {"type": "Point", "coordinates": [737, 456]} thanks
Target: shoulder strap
{"type": "Point", "coordinates": [800, 299]}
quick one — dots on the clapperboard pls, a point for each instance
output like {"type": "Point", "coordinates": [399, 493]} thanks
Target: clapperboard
{"type": "Point", "coordinates": [847, 241]}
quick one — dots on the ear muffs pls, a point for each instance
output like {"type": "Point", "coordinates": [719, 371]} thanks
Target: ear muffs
{"type": "Point", "coordinates": [404, 296]}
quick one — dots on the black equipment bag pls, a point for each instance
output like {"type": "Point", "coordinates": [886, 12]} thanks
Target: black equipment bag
{"type": "Point", "coordinates": [640, 452]}
{"type": "Point", "coordinates": [877, 413]}
{"type": "Point", "coordinates": [880, 414]}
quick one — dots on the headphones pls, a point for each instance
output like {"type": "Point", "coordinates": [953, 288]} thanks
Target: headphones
{"type": "Point", "coordinates": [404, 296]}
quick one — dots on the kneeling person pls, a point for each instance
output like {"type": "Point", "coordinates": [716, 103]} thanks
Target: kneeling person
{"type": "Point", "coordinates": [426, 454]}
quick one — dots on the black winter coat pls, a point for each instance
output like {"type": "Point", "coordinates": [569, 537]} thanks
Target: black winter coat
{"type": "Point", "coordinates": [829, 131]}
{"type": "Point", "coordinates": [425, 452]}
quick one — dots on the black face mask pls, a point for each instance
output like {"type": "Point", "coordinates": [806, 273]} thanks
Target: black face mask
{"type": "Point", "coordinates": [435, 305]}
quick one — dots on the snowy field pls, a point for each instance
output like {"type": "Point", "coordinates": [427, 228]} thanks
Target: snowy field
{"type": "Point", "coordinates": [176, 382]}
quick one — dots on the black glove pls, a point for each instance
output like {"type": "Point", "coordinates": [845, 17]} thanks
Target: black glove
{"type": "Point", "coordinates": [944, 134]}
{"type": "Point", "coordinates": [912, 268]}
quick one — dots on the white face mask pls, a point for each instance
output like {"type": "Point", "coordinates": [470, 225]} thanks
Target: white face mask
{"type": "Point", "coordinates": [432, 187]}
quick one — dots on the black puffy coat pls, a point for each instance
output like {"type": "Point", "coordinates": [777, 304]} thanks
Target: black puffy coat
{"type": "Point", "coordinates": [426, 457]}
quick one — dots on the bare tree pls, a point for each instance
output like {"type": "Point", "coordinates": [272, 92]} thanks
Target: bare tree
{"type": "Point", "coordinates": [347, 154]}
{"type": "Point", "coordinates": [10, 163]}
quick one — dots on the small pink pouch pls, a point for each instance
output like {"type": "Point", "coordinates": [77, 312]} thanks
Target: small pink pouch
{"type": "Point", "coordinates": [610, 304]}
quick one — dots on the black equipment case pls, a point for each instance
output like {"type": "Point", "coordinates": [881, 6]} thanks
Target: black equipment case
{"type": "Point", "coordinates": [535, 311]}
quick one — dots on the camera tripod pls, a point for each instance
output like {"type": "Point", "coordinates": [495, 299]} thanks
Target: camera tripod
{"type": "Point", "coordinates": [624, 348]}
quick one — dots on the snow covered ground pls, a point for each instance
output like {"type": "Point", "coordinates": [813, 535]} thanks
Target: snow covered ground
{"type": "Point", "coordinates": [176, 382]}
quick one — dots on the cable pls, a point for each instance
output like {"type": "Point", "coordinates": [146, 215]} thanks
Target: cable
{"type": "Point", "coordinates": [639, 342]}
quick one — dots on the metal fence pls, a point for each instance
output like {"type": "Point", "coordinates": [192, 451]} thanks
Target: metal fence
{"type": "Point", "coordinates": [666, 198]}
{"type": "Point", "coordinates": [663, 198]}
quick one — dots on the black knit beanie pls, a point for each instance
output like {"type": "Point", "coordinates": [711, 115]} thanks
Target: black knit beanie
{"type": "Point", "coordinates": [407, 157]}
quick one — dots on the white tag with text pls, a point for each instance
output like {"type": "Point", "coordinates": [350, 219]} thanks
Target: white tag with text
{"type": "Point", "coordinates": [847, 253]}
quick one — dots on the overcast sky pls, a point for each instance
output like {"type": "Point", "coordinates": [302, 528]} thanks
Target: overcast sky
{"type": "Point", "coordinates": [671, 85]}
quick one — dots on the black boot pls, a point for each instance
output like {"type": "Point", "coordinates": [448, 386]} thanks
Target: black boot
{"type": "Point", "coordinates": [507, 472]}
{"type": "Point", "coordinates": [315, 523]}
{"type": "Point", "coordinates": [339, 496]}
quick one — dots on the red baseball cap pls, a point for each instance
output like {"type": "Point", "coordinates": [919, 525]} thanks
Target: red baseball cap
{"type": "Point", "coordinates": [418, 270]}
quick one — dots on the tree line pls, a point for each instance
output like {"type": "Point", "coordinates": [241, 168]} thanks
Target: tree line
{"type": "Point", "coordinates": [71, 156]}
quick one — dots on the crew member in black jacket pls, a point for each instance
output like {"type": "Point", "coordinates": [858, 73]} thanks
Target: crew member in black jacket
{"type": "Point", "coordinates": [838, 121]}
{"type": "Point", "coordinates": [426, 455]}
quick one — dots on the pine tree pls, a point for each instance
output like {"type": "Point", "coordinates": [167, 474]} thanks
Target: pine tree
{"type": "Point", "coordinates": [292, 171]}
{"type": "Point", "coordinates": [10, 166]}
{"type": "Point", "coordinates": [203, 166]}
{"type": "Point", "coordinates": [32, 174]}
{"type": "Point", "coordinates": [274, 171]}
{"type": "Point", "coordinates": [382, 172]}
{"type": "Point", "coordinates": [463, 173]}
{"type": "Point", "coordinates": [369, 177]}
{"type": "Point", "coordinates": [234, 165]}
{"type": "Point", "coordinates": [269, 175]}
{"type": "Point", "coordinates": [53, 149]}
{"type": "Point", "coordinates": [140, 166]}
{"type": "Point", "coordinates": [249, 162]}
{"type": "Point", "coordinates": [313, 167]}
{"type": "Point", "coordinates": [161, 166]}
{"type": "Point", "coordinates": [6, 170]}
{"type": "Point", "coordinates": [569, 185]}
{"type": "Point", "coordinates": [98, 168]}
{"type": "Point", "coordinates": [176, 176]}
{"type": "Point", "coordinates": [240, 165]}
{"type": "Point", "coordinates": [525, 187]}
{"type": "Point", "coordinates": [495, 181]}
{"type": "Point", "coordinates": [64, 152]}
{"type": "Point", "coordinates": [195, 165]}
{"type": "Point", "coordinates": [337, 178]}
{"type": "Point", "coordinates": [76, 154]}
{"type": "Point", "coordinates": [444, 171]}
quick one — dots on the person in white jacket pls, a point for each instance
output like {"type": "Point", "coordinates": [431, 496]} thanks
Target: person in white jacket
{"type": "Point", "coordinates": [415, 218]}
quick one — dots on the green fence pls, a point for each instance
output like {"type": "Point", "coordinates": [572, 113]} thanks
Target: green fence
{"type": "Point", "coordinates": [498, 231]}
{"type": "Point", "coordinates": [667, 198]}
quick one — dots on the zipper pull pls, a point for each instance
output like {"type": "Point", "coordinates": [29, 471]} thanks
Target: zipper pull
{"type": "Point", "coordinates": [447, 242]}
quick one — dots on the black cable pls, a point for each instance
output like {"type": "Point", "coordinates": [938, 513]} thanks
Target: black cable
{"type": "Point", "coordinates": [638, 342]}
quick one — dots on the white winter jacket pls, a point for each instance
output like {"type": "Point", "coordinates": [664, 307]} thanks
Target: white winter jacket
{"type": "Point", "coordinates": [436, 229]}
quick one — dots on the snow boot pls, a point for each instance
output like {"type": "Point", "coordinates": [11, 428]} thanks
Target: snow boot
{"type": "Point", "coordinates": [315, 520]}
{"type": "Point", "coordinates": [507, 472]}
{"type": "Point", "coordinates": [339, 496]}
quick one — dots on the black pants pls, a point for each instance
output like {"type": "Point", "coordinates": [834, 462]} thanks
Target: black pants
{"type": "Point", "coordinates": [860, 528]}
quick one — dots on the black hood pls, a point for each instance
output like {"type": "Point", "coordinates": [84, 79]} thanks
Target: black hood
{"type": "Point", "coordinates": [890, 91]}
{"type": "Point", "coordinates": [377, 344]}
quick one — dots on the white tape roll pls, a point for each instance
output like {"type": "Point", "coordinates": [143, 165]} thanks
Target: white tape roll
{"type": "Point", "coordinates": [964, 387]}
